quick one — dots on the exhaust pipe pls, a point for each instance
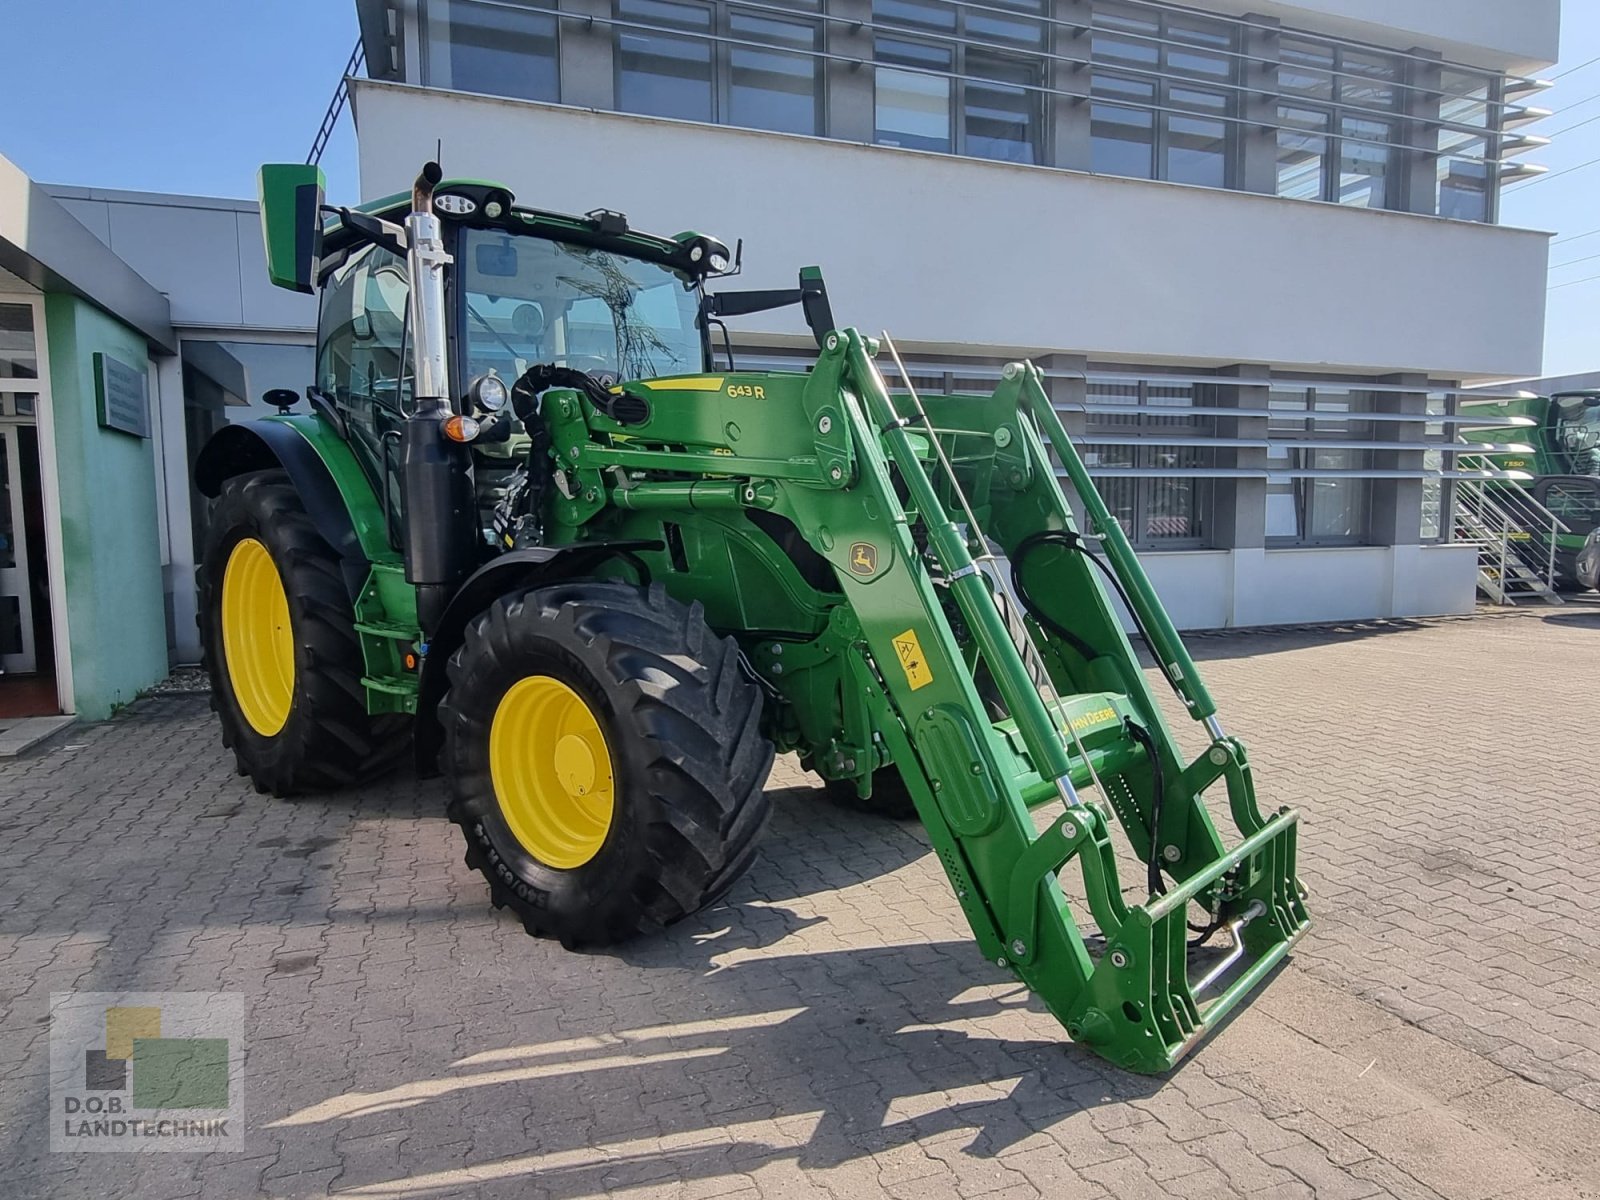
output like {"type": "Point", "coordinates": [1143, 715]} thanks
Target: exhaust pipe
{"type": "Point", "coordinates": [440, 512]}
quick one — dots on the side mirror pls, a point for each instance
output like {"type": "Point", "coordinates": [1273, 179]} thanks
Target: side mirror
{"type": "Point", "coordinates": [291, 223]}
{"type": "Point", "coordinates": [282, 399]}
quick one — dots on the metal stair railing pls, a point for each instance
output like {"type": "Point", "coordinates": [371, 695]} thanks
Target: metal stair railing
{"type": "Point", "coordinates": [1516, 540]}
{"type": "Point", "coordinates": [341, 96]}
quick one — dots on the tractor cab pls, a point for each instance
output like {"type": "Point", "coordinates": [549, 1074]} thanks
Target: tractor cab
{"type": "Point", "coordinates": [532, 299]}
{"type": "Point", "coordinates": [1576, 432]}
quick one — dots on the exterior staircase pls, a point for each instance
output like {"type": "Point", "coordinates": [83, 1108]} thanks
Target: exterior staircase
{"type": "Point", "coordinates": [1516, 538]}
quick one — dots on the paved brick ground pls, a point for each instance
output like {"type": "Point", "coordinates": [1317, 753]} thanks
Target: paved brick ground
{"type": "Point", "coordinates": [829, 1031]}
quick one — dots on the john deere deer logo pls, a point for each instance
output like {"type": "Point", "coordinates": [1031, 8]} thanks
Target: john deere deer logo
{"type": "Point", "coordinates": [863, 558]}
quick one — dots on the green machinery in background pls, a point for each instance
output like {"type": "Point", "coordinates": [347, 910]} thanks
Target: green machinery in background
{"type": "Point", "coordinates": [599, 580]}
{"type": "Point", "coordinates": [1556, 447]}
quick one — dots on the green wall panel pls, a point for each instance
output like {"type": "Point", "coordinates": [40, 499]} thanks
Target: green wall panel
{"type": "Point", "coordinates": [110, 534]}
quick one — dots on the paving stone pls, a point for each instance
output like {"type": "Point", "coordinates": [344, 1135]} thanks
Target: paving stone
{"type": "Point", "coordinates": [828, 1030]}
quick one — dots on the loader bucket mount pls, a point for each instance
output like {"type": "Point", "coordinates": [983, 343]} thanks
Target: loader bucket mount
{"type": "Point", "coordinates": [1083, 734]}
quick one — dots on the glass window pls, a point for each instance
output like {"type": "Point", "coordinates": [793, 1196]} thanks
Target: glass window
{"type": "Point", "coordinates": [18, 357]}
{"type": "Point", "coordinates": [1196, 148]}
{"type": "Point", "coordinates": [924, 14]}
{"type": "Point", "coordinates": [1331, 146]}
{"type": "Point", "coordinates": [1165, 127]}
{"type": "Point", "coordinates": [1577, 504]}
{"type": "Point", "coordinates": [360, 330]}
{"type": "Point", "coordinates": [549, 302]}
{"type": "Point", "coordinates": [1306, 70]}
{"type": "Point", "coordinates": [947, 92]}
{"type": "Point", "coordinates": [1368, 80]}
{"type": "Point", "coordinates": [1123, 139]}
{"type": "Point", "coordinates": [1433, 462]}
{"type": "Point", "coordinates": [1163, 506]}
{"type": "Point", "coordinates": [777, 88]}
{"type": "Point", "coordinates": [1364, 157]}
{"type": "Point", "coordinates": [1466, 177]}
{"type": "Point", "coordinates": [913, 108]}
{"type": "Point", "coordinates": [504, 50]}
{"type": "Point", "coordinates": [998, 120]}
{"type": "Point", "coordinates": [1125, 37]}
{"type": "Point", "coordinates": [1302, 153]}
{"type": "Point", "coordinates": [1303, 505]}
{"type": "Point", "coordinates": [1201, 49]}
{"type": "Point", "coordinates": [659, 73]}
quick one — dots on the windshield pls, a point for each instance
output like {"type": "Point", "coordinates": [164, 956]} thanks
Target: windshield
{"type": "Point", "coordinates": [529, 301]}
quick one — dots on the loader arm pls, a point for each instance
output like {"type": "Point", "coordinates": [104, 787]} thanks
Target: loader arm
{"type": "Point", "coordinates": [907, 506]}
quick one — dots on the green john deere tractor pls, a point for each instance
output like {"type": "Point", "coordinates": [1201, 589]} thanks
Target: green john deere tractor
{"type": "Point", "coordinates": [1554, 449]}
{"type": "Point", "coordinates": [598, 578]}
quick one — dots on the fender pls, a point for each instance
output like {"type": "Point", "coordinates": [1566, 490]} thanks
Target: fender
{"type": "Point", "coordinates": [338, 498]}
{"type": "Point", "coordinates": [512, 571]}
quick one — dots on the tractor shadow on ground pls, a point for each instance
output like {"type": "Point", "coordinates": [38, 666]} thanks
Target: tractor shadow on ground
{"type": "Point", "coordinates": [815, 1059]}
{"type": "Point", "coordinates": [1217, 645]}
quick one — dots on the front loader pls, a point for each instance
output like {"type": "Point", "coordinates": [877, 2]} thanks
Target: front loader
{"type": "Point", "coordinates": [599, 580]}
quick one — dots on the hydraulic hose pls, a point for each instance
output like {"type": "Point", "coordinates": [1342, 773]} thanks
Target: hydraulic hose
{"type": "Point", "coordinates": [1072, 540]}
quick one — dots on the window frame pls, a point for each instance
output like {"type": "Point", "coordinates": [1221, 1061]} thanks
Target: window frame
{"type": "Point", "coordinates": [722, 45]}
{"type": "Point", "coordinates": [1338, 110]}
{"type": "Point", "coordinates": [960, 78]}
{"type": "Point", "coordinates": [447, 43]}
{"type": "Point", "coordinates": [1148, 426]}
{"type": "Point", "coordinates": [1302, 450]}
{"type": "Point", "coordinates": [1162, 77]}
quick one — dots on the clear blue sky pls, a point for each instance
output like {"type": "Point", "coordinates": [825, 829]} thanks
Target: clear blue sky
{"type": "Point", "coordinates": [173, 95]}
{"type": "Point", "coordinates": [192, 95]}
{"type": "Point", "coordinates": [1568, 205]}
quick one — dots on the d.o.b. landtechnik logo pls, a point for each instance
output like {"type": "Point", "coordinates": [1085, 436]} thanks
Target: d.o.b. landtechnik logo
{"type": "Point", "coordinates": [146, 1071]}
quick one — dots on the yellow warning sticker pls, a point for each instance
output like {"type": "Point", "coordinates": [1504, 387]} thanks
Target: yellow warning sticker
{"type": "Point", "coordinates": [912, 660]}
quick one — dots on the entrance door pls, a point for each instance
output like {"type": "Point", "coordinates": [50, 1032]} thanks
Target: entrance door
{"type": "Point", "coordinates": [19, 457]}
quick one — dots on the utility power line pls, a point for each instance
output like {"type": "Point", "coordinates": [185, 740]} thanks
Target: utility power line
{"type": "Point", "coordinates": [1574, 262]}
{"type": "Point", "coordinates": [1574, 70]}
{"type": "Point", "coordinates": [1571, 283]}
{"type": "Point", "coordinates": [1574, 237]}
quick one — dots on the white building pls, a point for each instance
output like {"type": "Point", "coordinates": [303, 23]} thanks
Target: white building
{"type": "Point", "coordinates": [1254, 245]}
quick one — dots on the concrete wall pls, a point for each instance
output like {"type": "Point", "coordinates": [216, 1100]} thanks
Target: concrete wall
{"type": "Point", "coordinates": [109, 519]}
{"type": "Point", "coordinates": [1215, 589]}
{"type": "Point", "coordinates": [204, 253]}
{"type": "Point", "coordinates": [958, 255]}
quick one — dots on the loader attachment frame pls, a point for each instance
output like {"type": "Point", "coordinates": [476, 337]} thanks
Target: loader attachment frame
{"type": "Point", "coordinates": [911, 655]}
{"type": "Point", "coordinates": [1139, 993]}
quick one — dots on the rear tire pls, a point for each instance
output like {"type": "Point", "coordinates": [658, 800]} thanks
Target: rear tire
{"type": "Point", "coordinates": [303, 724]}
{"type": "Point", "coordinates": [622, 740]}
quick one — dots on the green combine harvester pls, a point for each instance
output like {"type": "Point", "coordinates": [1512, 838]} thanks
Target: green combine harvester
{"type": "Point", "coordinates": [531, 525]}
{"type": "Point", "coordinates": [1558, 455]}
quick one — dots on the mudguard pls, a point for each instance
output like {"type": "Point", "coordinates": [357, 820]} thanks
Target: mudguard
{"type": "Point", "coordinates": [331, 484]}
{"type": "Point", "coordinates": [508, 572]}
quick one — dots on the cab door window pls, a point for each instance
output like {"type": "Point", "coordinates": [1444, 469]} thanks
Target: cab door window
{"type": "Point", "coordinates": [1576, 502]}
{"type": "Point", "coordinates": [361, 359]}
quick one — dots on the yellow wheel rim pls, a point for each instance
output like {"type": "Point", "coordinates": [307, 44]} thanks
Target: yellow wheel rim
{"type": "Point", "coordinates": [551, 772]}
{"type": "Point", "coordinates": [257, 642]}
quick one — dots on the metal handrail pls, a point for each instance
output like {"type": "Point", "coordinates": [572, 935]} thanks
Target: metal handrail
{"type": "Point", "coordinates": [341, 96]}
{"type": "Point", "coordinates": [1491, 517]}
{"type": "Point", "coordinates": [1488, 132]}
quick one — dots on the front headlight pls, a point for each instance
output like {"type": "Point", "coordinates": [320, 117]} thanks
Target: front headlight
{"type": "Point", "coordinates": [488, 393]}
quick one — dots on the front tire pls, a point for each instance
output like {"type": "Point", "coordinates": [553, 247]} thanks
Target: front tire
{"type": "Point", "coordinates": [605, 758]}
{"type": "Point", "coordinates": [278, 640]}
